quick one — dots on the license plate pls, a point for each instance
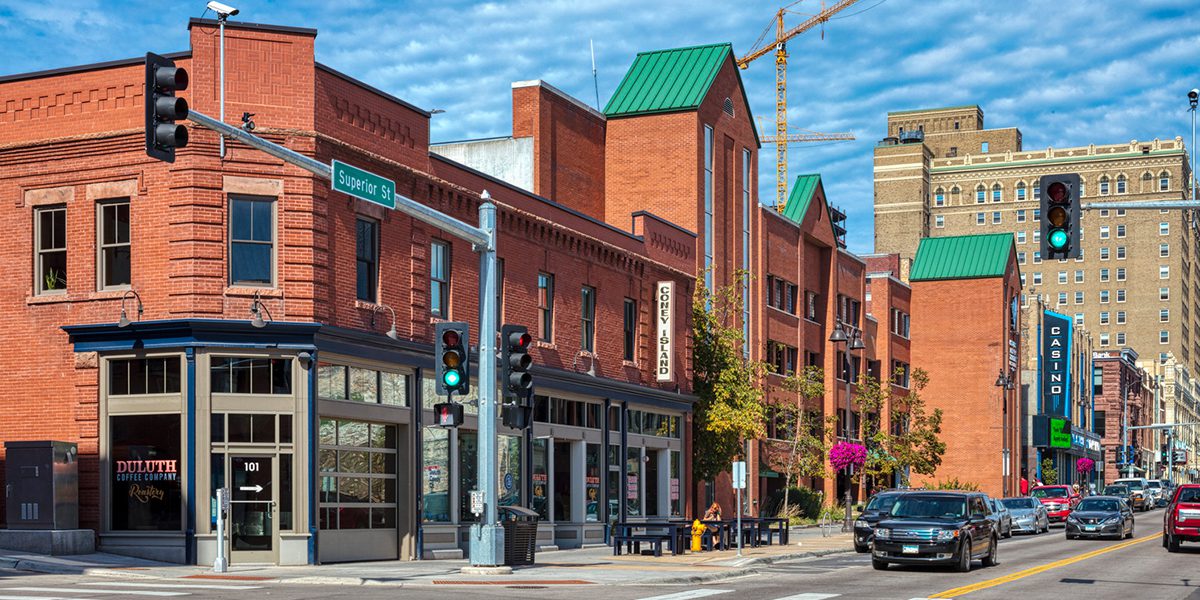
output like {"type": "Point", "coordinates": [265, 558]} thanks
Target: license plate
{"type": "Point", "coordinates": [910, 549]}
{"type": "Point", "coordinates": [1090, 528]}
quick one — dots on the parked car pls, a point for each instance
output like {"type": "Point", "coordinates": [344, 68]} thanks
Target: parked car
{"type": "Point", "coordinates": [1001, 516]}
{"type": "Point", "coordinates": [1120, 490]}
{"type": "Point", "coordinates": [1142, 499]}
{"type": "Point", "coordinates": [877, 508]}
{"type": "Point", "coordinates": [1181, 521]}
{"type": "Point", "coordinates": [1058, 500]}
{"type": "Point", "coordinates": [1157, 492]}
{"type": "Point", "coordinates": [1100, 516]}
{"type": "Point", "coordinates": [1168, 489]}
{"type": "Point", "coordinates": [936, 528]}
{"type": "Point", "coordinates": [1028, 515]}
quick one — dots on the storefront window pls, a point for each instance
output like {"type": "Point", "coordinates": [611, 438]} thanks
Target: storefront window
{"type": "Point", "coordinates": [540, 479]}
{"type": "Point", "coordinates": [561, 411]}
{"type": "Point", "coordinates": [591, 511]}
{"type": "Point", "coordinates": [251, 375]}
{"type": "Point", "coordinates": [136, 376]}
{"type": "Point", "coordinates": [435, 481]}
{"type": "Point", "coordinates": [358, 475]}
{"type": "Point", "coordinates": [339, 382]}
{"type": "Point", "coordinates": [331, 381]}
{"type": "Point", "coordinates": [633, 484]}
{"type": "Point", "coordinates": [510, 470]}
{"type": "Point", "coordinates": [563, 481]}
{"type": "Point", "coordinates": [468, 463]}
{"type": "Point", "coordinates": [673, 482]}
{"type": "Point", "coordinates": [364, 385]}
{"type": "Point", "coordinates": [614, 483]}
{"type": "Point", "coordinates": [145, 455]}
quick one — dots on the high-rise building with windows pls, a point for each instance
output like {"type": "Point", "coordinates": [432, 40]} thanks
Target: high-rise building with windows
{"type": "Point", "coordinates": [939, 172]}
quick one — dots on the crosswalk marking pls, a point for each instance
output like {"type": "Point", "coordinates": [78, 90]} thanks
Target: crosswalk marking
{"type": "Point", "coordinates": [80, 590]}
{"type": "Point", "coordinates": [3, 597]}
{"type": "Point", "coordinates": [172, 585]}
{"type": "Point", "coordinates": [689, 595]}
{"type": "Point", "coordinates": [809, 596]}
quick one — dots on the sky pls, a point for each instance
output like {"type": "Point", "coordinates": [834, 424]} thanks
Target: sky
{"type": "Point", "coordinates": [1065, 72]}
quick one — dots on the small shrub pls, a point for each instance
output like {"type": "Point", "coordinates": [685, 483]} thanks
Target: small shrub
{"type": "Point", "coordinates": [955, 484]}
{"type": "Point", "coordinates": [802, 502]}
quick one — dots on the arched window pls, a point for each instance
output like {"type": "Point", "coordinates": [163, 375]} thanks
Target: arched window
{"type": "Point", "coordinates": [1020, 191]}
{"type": "Point", "coordinates": [996, 194]}
{"type": "Point", "coordinates": [954, 194]}
{"type": "Point", "coordinates": [1120, 184]}
{"type": "Point", "coordinates": [1104, 185]}
{"type": "Point", "coordinates": [980, 194]}
{"type": "Point", "coordinates": [1164, 181]}
{"type": "Point", "coordinates": [939, 197]}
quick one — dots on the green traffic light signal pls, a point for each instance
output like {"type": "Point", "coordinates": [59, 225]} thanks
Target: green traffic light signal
{"type": "Point", "coordinates": [452, 378]}
{"type": "Point", "coordinates": [1058, 239]}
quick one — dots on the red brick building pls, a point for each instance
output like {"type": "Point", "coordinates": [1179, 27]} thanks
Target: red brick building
{"type": "Point", "coordinates": [318, 407]}
{"type": "Point", "coordinates": [965, 335]}
{"type": "Point", "coordinates": [1124, 396]}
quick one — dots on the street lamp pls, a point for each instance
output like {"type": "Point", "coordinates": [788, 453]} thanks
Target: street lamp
{"type": "Point", "coordinates": [853, 342]}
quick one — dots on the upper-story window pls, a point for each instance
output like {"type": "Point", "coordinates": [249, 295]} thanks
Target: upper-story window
{"type": "Point", "coordinates": [587, 312]}
{"type": "Point", "coordinates": [242, 375]}
{"type": "Point", "coordinates": [630, 328]}
{"type": "Point", "coordinates": [367, 259]}
{"type": "Point", "coordinates": [251, 241]}
{"type": "Point", "coordinates": [1020, 191]}
{"type": "Point", "coordinates": [1104, 185]}
{"type": "Point", "coordinates": [439, 279]}
{"type": "Point", "coordinates": [939, 197]}
{"type": "Point", "coordinates": [1120, 184]}
{"type": "Point", "coordinates": [113, 252]}
{"type": "Point", "coordinates": [849, 310]}
{"type": "Point", "coordinates": [939, 221]}
{"type": "Point", "coordinates": [1164, 228]}
{"type": "Point", "coordinates": [980, 195]}
{"type": "Point", "coordinates": [709, 264]}
{"type": "Point", "coordinates": [137, 376]}
{"type": "Point", "coordinates": [782, 294]}
{"type": "Point", "coordinates": [983, 148]}
{"type": "Point", "coordinates": [357, 384]}
{"type": "Point", "coordinates": [996, 193]}
{"type": "Point", "coordinates": [811, 311]}
{"type": "Point", "coordinates": [50, 241]}
{"type": "Point", "coordinates": [546, 307]}
{"type": "Point", "coordinates": [1164, 181]}
{"type": "Point", "coordinates": [1037, 190]}
{"type": "Point", "coordinates": [900, 322]}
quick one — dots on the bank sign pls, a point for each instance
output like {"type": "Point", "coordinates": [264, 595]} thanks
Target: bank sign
{"type": "Point", "coordinates": [663, 291]}
{"type": "Point", "coordinates": [1056, 364]}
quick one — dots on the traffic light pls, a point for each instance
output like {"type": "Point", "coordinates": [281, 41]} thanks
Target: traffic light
{"type": "Point", "coordinates": [1060, 216]}
{"type": "Point", "coordinates": [515, 361]}
{"type": "Point", "coordinates": [448, 414]}
{"type": "Point", "coordinates": [163, 107]}
{"type": "Point", "coordinates": [451, 360]}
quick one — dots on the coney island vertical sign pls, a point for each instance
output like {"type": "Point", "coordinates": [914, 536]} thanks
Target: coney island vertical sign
{"type": "Point", "coordinates": [663, 293]}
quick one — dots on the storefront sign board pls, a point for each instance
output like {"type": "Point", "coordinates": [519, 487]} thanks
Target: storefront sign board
{"type": "Point", "coordinates": [664, 291]}
{"type": "Point", "coordinates": [1056, 364]}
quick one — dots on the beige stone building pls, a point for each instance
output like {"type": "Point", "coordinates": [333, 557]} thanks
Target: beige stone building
{"type": "Point", "coordinates": [939, 172]}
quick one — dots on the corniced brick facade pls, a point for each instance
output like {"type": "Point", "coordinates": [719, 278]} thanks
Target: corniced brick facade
{"type": "Point", "coordinates": [72, 141]}
{"type": "Point", "coordinates": [1125, 396]}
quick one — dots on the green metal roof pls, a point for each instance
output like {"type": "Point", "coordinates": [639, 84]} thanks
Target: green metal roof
{"type": "Point", "coordinates": [668, 80]}
{"type": "Point", "coordinates": [801, 197]}
{"type": "Point", "coordinates": [962, 257]}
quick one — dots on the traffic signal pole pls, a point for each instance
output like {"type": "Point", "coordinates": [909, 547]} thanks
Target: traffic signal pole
{"type": "Point", "coordinates": [487, 536]}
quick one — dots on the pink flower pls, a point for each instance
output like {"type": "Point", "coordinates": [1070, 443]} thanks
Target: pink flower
{"type": "Point", "coordinates": [1085, 465]}
{"type": "Point", "coordinates": [846, 454]}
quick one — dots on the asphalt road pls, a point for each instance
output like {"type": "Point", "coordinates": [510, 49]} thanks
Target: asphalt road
{"type": "Point", "coordinates": [1031, 567]}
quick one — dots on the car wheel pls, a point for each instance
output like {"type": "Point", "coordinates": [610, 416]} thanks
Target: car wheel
{"type": "Point", "coordinates": [879, 565]}
{"type": "Point", "coordinates": [964, 558]}
{"type": "Point", "coordinates": [862, 549]}
{"type": "Point", "coordinates": [993, 557]}
{"type": "Point", "coordinates": [1164, 540]}
{"type": "Point", "coordinates": [1008, 533]}
{"type": "Point", "coordinates": [1130, 534]}
{"type": "Point", "coordinates": [1070, 537]}
{"type": "Point", "coordinates": [1172, 544]}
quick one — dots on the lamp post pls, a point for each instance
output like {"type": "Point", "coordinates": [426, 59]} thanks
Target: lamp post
{"type": "Point", "coordinates": [1006, 384]}
{"type": "Point", "coordinates": [853, 342]}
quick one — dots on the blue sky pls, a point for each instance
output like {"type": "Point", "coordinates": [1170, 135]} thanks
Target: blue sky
{"type": "Point", "coordinates": [1066, 72]}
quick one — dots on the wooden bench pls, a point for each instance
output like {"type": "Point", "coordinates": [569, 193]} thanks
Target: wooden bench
{"type": "Point", "coordinates": [633, 542]}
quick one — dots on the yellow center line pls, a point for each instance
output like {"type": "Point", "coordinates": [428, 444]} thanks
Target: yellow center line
{"type": "Point", "coordinates": [975, 587]}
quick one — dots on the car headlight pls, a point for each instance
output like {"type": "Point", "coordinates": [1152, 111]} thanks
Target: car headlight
{"type": "Point", "coordinates": [862, 523]}
{"type": "Point", "coordinates": [1110, 520]}
{"type": "Point", "coordinates": [1072, 519]}
{"type": "Point", "coordinates": [883, 534]}
{"type": "Point", "coordinates": [946, 535]}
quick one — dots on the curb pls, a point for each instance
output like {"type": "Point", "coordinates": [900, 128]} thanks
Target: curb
{"type": "Point", "coordinates": [748, 569]}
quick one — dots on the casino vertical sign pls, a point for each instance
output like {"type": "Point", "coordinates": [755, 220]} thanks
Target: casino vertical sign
{"type": "Point", "coordinates": [663, 329]}
{"type": "Point", "coordinates": [1056, 364]}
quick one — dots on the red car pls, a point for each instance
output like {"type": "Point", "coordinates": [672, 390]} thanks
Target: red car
{"type": "Point", "coordinates": [1059, 500]}
{"type": "Point", "coordinates": [1181, 522]}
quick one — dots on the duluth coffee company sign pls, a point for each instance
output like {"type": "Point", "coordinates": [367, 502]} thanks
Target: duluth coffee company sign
{"type": "Point", "coordinates": [663, 291]}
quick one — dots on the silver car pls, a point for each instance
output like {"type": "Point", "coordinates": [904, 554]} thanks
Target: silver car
{"type": "Point", "coordinates": [1001, 517]}
{"type": "Point", "coordinates": [1028, 515]}
{"type": "Point", "coordinates": [1156, 492]}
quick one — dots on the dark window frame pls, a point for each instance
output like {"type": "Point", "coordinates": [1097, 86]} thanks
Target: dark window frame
{"type": "Point", "coordinates": [630, 329]}
{"type": "Point", "coordinates": [366, 259]}
{"type": "Point", "coordinates": [439, 278]}
{"type": "Point", "coordinates": [41, 251]}
{"type": "Point", "coordinates": [104, 247]}
{"type": "Point", "coordinates": [587, 318]}
{"type": "Point", "coordinates": [545, 282]}
{"type": "Point", "coordinates": [237, 243]}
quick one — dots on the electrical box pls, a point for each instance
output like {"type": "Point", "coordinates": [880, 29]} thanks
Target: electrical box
{"type": "Point", "coordinates": [42, 490]}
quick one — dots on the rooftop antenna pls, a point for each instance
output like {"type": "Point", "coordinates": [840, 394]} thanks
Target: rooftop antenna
{"type": "Point", "coordinates": [595, 81]}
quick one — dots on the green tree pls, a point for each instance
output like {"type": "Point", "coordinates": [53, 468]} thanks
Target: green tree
{"type": "Point", "coordinates": [912, 442]}
{"type": "Point", "coordinates": [802, 437]}
{"type": "Point", "coordinates": [728, 387]}
{"type": "Point", "coordinates": [1049, 473]}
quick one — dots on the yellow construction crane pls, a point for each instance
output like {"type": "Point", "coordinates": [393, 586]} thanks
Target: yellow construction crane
{"type": "Point", "coordinates": [779, 44]}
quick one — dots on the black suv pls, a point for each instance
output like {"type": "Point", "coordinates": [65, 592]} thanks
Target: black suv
{"type": "Point", "coordinates": [879, 507]}
{"type": "Point", "coordinates": [937, 528]}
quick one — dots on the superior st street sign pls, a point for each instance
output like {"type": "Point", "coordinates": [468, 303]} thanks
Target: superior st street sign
{"type": "Point", "coordinates": [363, 184]}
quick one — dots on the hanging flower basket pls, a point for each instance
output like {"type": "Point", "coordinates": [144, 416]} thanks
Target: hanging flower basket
{"type": "Point", "coordinates": [847, 454]}
{"type": "Point", "coordinates": [1085, 465]}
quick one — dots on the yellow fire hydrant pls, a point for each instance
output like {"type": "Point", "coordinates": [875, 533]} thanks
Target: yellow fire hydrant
{"type": "Point", "coordinates": [698, 531]}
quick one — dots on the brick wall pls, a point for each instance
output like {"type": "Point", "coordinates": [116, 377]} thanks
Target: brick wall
{"type": "Point", "coordinates": [568, 146]}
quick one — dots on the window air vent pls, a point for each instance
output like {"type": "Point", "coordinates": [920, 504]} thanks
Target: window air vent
{"type": "Point", "coordinates": [729, 107]}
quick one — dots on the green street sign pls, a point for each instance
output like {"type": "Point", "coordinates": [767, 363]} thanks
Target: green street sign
{"type": "Point", "coordinates": [1060, 433]}
{"type": "Point", "coordinates": [363, 184]}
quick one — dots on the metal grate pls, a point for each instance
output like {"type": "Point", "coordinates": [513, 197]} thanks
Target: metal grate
{"type": "Point", "coordinates": [924, 535]}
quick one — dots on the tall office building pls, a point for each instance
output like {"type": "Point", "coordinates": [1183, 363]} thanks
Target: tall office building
{"type": "Point", "coordinates": [939, 172]}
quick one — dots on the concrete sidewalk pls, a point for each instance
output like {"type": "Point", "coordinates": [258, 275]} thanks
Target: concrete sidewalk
{"type": "Point", "coordinates": [565, 567]}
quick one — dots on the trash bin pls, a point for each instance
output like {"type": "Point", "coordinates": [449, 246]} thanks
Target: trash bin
{"type": "Point", "coordinates": [520, 534]}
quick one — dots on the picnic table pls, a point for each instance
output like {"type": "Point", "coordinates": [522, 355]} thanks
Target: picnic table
{"type": "Point", "coordinates": [674, 532]}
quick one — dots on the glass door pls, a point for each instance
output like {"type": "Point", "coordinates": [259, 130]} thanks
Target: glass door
{"type": "Point", "coordinates": [253, 527]}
